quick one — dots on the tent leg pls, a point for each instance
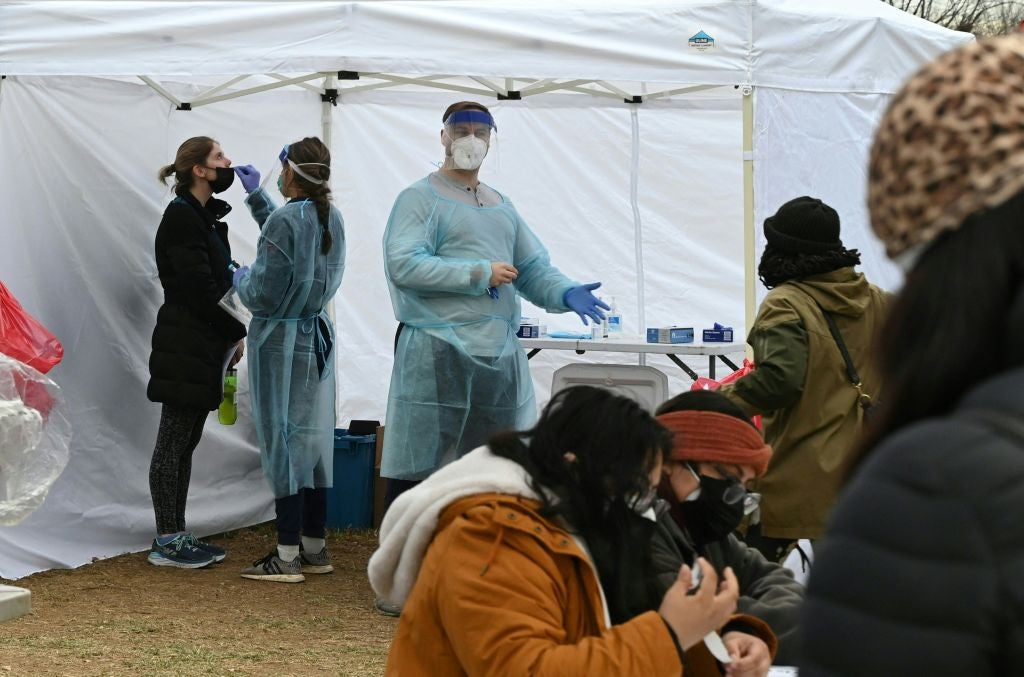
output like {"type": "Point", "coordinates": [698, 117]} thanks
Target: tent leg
{"type": "Point", "coordinates": [325, 113]}
{"type": "Point", "coordinates": [326, 127]}
{"type": "Point", "coordinates": [634, 180]}
{"type": "Point", "coordinates": [749, 253]}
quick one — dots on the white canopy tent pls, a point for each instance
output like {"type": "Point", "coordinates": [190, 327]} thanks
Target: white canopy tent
{"type": "Point", "coordinates": [642, 141]}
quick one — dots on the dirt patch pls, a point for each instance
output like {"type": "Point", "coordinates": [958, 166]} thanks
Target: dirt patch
{"type": "Point", "coordinates": [123, 616]}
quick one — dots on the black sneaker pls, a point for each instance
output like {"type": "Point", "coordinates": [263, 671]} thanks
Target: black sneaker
{"type": "Point", "coordinates": [273, 568]}
{"type": "Point", "coordinates": [216, 552]}
{"type": "Point", "coordinates": [178, 553]}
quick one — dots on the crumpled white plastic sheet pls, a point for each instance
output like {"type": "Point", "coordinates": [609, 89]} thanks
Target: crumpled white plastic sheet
{"type": "Point", "coordinates": [35, 434]}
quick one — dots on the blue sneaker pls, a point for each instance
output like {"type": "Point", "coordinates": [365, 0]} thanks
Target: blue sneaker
{"type": "Point", "coordinates": [218, 553]}
{"type": "Point", "coordinates": [177, 552]}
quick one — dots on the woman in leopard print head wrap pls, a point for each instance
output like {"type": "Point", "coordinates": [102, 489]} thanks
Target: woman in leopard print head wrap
{"type": "Point", "coordinates": [922, 567]}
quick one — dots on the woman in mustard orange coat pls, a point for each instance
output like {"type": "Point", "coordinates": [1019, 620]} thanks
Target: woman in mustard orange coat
{"type": "Point", "coordinates": [531, 556]}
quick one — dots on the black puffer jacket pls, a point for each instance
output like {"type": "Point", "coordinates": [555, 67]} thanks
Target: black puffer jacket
{"type": "Point", "coordinates": [192, 333]}
{"type": "Point", "coordinates": [921, 571]}
{"type": "Point", "coordinates": [768, 590]}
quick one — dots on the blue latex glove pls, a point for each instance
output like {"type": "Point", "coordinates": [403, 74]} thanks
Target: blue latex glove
{"type": "Point", "coordinates": [239, 274]}
{"type": "Point", "coordinates": [585, 304]}
{"type": "Point", "coordinates": [249, 176]}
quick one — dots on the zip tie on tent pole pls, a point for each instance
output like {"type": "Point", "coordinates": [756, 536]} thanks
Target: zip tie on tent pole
{"type": "Point", "coordinates": [511, 95]}
{"type": "Point", "coordinates": [184, 105]}
{"type": "Point", "coordinates": [634, 99]}
{"type": "Point", "coordinates": [348, 75]}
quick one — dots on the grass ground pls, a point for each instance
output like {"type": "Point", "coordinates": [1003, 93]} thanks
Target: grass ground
{"type": "Point", "coordinates": [122, 616]}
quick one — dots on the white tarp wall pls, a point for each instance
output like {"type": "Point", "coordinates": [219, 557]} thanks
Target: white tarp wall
{"type": "Point", "coordinates": [82, 204]}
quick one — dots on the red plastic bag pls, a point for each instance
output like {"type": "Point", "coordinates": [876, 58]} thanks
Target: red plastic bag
{"type": "Point", "coordinates": [747, 367]}
{"type": "Point", "coordinates": [23, 338]}
{"type": "Point", "coordinates": [704, 383]}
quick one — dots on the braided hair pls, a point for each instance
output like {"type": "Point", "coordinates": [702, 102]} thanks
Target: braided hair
{"type": "Point", "coordinates": [313, 157]}
{"type": "Point", "coordinates": [778, 266]}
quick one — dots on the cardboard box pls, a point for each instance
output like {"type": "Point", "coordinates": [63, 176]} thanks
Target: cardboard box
{"type": "Point", "coordinates": [670, 334]}
{"type": "Point", "coordinates": [528, 331]}
{"type": "Point", "coordinates": [723, 335]}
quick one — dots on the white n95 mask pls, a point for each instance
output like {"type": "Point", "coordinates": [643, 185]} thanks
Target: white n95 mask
{"type": "Point", "coordinates": [468, 152]}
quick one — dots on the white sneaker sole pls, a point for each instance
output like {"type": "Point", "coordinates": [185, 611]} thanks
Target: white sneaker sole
{"type": "Point", "coordinates": [276, 578]}
{"type": "Point", "coordinates": [165, 562]}
{"type": "Point", "coordinates": [317, 568]}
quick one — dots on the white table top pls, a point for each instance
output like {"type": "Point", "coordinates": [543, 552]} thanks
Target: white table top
{"type": "Point", "coordinates": [632, 345]}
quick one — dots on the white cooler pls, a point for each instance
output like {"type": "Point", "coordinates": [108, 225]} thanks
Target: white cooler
{"type": "Point", "coordinates": [646, 385]}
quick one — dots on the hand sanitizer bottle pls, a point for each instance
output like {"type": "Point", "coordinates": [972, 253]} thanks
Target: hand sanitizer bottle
{"type": "Point", "coordinates": [614, 319]}
{"type": "Point", "coordinates": [227, 412]}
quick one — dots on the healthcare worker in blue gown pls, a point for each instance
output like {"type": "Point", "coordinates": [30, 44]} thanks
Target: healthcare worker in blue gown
{"type": "Point", "coordinates": [300, 258]}
{"type": "Point", "coordinates": [457, 255]}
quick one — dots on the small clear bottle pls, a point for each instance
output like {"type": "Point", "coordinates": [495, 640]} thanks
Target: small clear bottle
{"type": "Point", "coordinates": [227, 412]}
{"type": "Point", "coordinates": [614, 319]}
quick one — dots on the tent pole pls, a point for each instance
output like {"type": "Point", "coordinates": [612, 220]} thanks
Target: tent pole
{"type": "Point", "coordinates": [327, 127]}
{"type": "Point", "coordinates": [634, 181]}
{"type": "Point", "coordinates": [160, 90]}
{"type": "Point", "coordinates": [749, 269]}
{"type": "Point", "coordinates": [325, 112]}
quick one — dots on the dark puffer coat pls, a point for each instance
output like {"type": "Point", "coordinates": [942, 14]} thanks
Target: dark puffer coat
{"type": "Point", "coordinates": [192, 333]}
{"type": "Point", "coordinates": [921, 571]}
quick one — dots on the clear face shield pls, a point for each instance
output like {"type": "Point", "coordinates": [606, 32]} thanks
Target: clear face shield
{"type": "Point", "coordinates": [273, 177]}
{"type": "Point", "coordinates": [467, 137]}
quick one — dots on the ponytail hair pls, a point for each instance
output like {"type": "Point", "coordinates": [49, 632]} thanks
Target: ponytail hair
{"type": "Point", "coordinates": [192, 152]}
{"type": "Point", "coordinates": [315, 160]}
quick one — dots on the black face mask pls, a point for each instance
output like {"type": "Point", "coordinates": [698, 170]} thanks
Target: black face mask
{"type": "Point", "coordinates": [709, 518]}
{"type": "Point", "coordinates": [225, 177]}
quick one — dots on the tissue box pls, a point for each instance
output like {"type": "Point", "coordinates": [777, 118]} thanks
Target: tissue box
{"type": "Point", "coordinates": [723, 335]}
{"type": "Point", "coordinates": [670, 334]}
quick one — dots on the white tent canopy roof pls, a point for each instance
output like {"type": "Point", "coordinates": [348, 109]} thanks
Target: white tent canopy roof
{"type": "Point", "coordinates": [848, 46]}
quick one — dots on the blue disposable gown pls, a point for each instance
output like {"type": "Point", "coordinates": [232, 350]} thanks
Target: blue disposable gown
{"type": "Point", "coordinates": [460, 374]}
{"type": "Point", "coordinates": [286, 289]}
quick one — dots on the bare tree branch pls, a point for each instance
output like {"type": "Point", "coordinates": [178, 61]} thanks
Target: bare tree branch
{"type": "Point", "coordinates": [981, 17]}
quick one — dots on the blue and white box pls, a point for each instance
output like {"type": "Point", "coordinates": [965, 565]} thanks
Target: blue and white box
{"type": "Point", "coordinates": [719, 334]}
{"type": "Point", "coordinates": [528, 331]}
{"type": "Point", "coordinates": [670, 334]}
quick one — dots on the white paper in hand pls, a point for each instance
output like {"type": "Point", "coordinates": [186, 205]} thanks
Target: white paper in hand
{"type": "Point", "coordinates": [712, 641]}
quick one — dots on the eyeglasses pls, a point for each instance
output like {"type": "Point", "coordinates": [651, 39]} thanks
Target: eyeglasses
{"type": "Point", "coordinates": [735, 492]}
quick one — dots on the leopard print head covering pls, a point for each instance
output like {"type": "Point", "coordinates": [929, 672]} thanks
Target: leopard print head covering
{"type": "Point", "coordinates": [950, 145]}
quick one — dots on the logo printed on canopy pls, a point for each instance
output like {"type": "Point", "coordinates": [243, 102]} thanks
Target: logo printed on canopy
{"type": "Point", "coordinates": [702, 41]}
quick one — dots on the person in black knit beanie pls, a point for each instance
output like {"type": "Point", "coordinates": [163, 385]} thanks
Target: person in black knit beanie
{"type": "Point", "coordinates": [800, 384]}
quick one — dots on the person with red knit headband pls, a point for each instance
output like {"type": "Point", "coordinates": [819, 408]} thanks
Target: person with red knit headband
{"type": "Point", "coordinates": [716, 453]}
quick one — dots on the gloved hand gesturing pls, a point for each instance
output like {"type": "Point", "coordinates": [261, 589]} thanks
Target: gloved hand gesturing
{"type": "Point", "coordinates": [239, 274]}
{"type": "Point", "coordinates": [249, 176]}
{"type": "Point", "coordinates": [585, 304]}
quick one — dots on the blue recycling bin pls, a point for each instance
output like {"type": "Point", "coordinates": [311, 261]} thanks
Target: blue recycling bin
{"type": "Point", "coordinates": [350, 500]}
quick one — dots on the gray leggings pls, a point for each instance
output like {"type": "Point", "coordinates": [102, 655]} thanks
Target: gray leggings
{"type": "Point", "coordinates": [171, 468]}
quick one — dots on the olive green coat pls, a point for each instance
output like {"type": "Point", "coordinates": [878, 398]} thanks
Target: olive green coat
{"type": "Point", "coordinates": [800, 385]}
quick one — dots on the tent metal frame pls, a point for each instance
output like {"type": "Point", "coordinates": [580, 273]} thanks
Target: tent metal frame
{"type": "Point", "coordinates": [512, 88]}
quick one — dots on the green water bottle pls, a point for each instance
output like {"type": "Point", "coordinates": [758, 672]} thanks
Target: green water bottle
{"type": "Point", "coordinates": [227, 412]}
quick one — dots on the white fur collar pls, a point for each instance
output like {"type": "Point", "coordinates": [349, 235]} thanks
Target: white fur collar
{"type": "Point", "coordinates": [410, 522]}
